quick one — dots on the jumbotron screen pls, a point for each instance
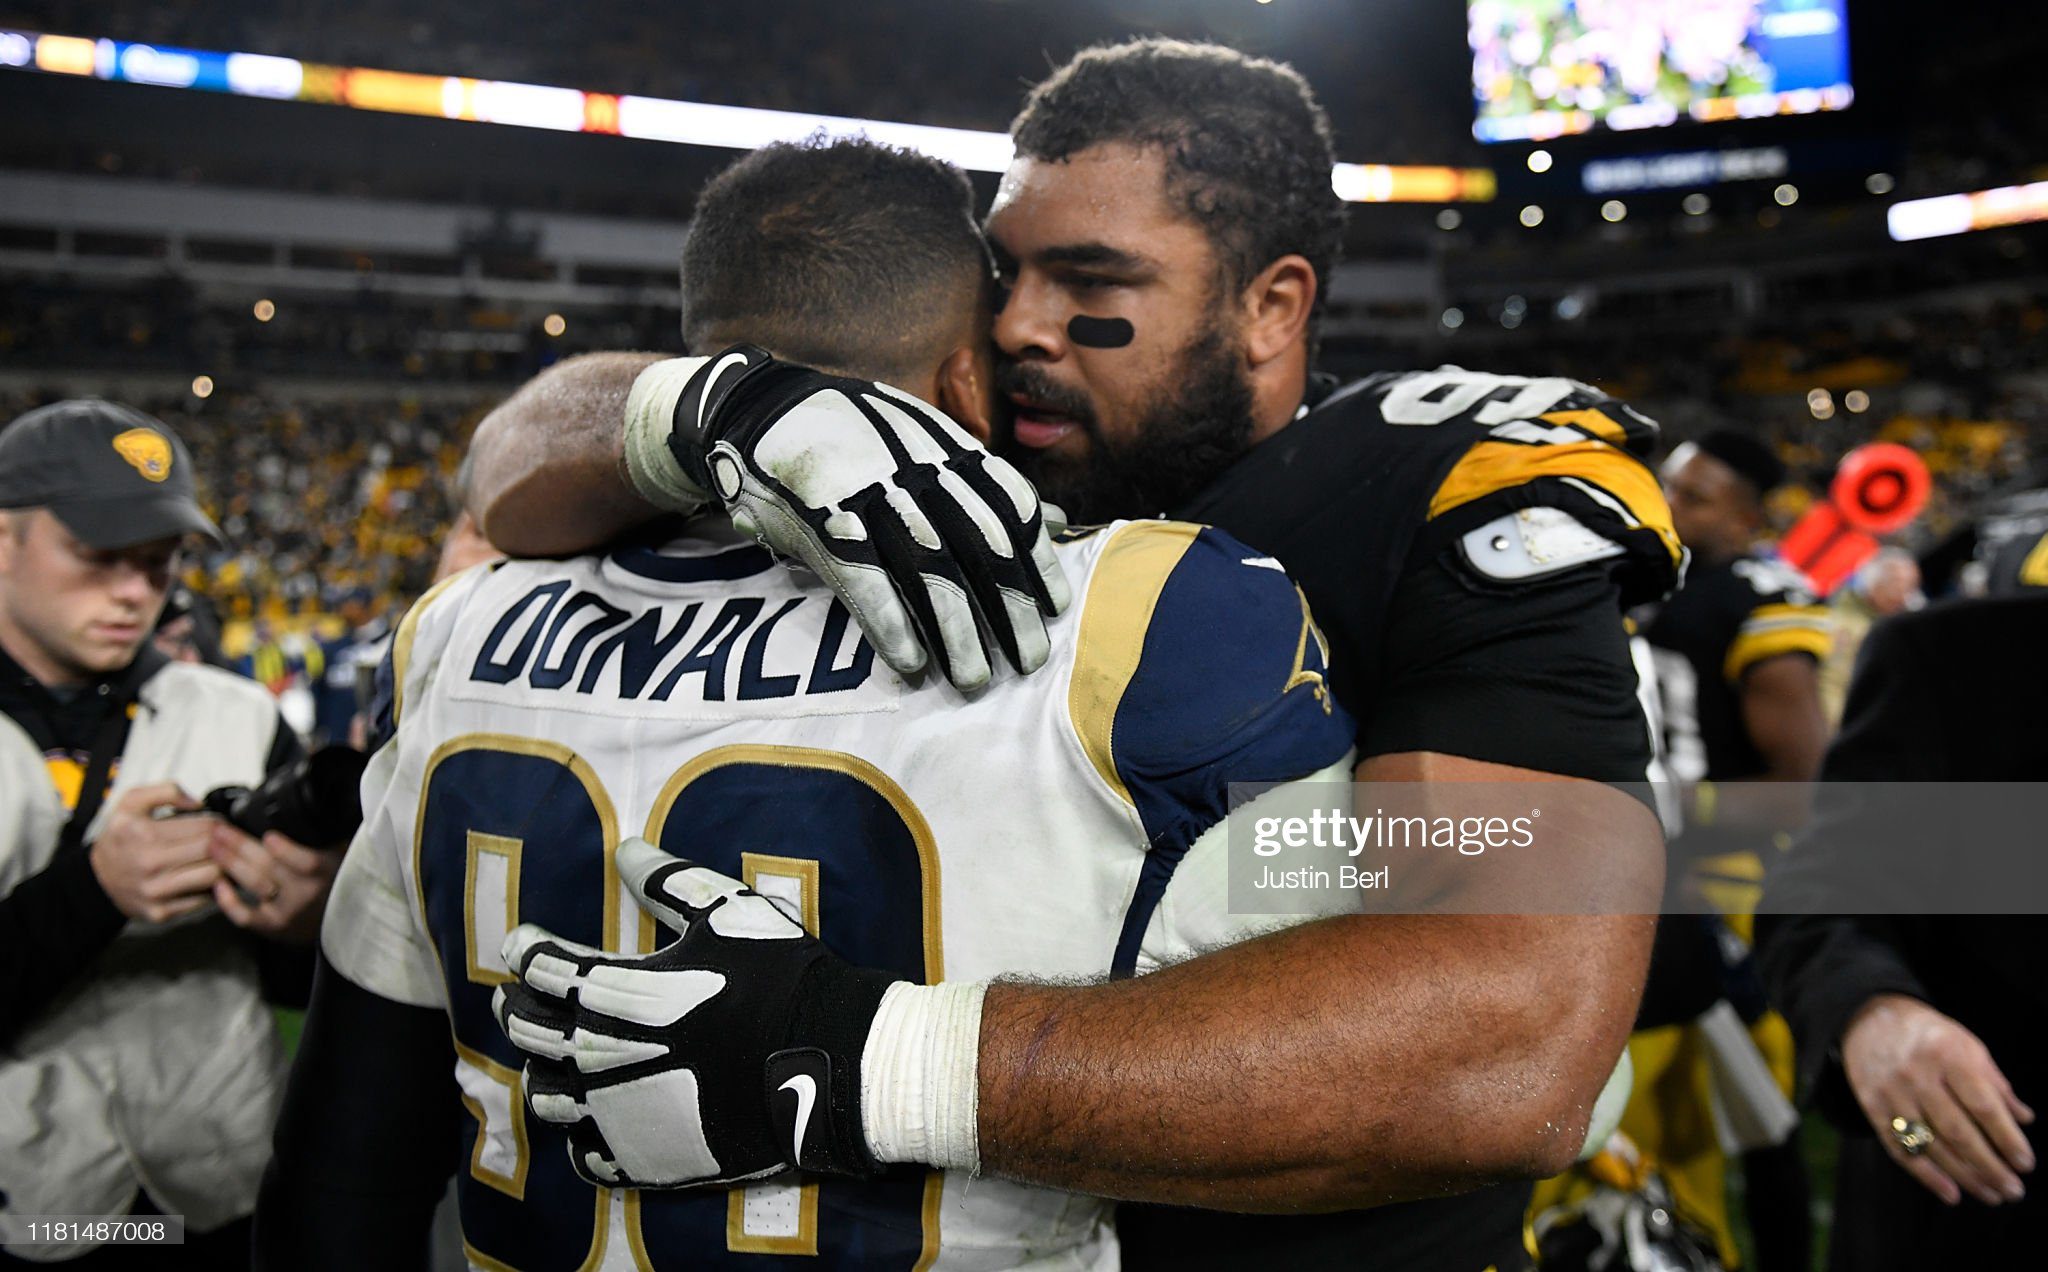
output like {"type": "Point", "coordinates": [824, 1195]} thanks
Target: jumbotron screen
{"type": "Point", "coordinates": [1547, 68]}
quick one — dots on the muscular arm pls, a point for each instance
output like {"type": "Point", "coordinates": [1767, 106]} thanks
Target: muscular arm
{"type": "Point", "coordinates": [1781, 711]}
{"type": "Point", "coordinates": [1352, 1061]}
{"type": "Point", "coordinates": [548, 473]}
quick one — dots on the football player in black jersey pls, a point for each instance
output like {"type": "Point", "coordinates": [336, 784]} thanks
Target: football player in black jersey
{"type": "Point", "coordinates": [1738, 652]}
{"type": "Point", "coordinates": [1741, 642]}
{"type": "Point", "coordinates": [1468, 540]}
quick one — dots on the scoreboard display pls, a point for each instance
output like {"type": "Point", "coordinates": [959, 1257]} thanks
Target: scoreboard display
{"type": "Point", "coordinates": [1549, 68]}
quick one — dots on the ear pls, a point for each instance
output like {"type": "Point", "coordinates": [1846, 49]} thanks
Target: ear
{"type": "Point", "coordinates": [1277, 304]}
{"type": "Point", "coordinates": [963, 385]}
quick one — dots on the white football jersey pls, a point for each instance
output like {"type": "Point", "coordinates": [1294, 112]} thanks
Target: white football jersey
{"type": "Point", "coordinates": [729, 711]}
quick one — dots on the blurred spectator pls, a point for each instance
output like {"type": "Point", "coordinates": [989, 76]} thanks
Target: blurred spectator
{"type": "Point", "coordinates": [1919, 1035]}
{"type": "Point", "coordinates": [189, 630]}
{"type": "Point", "coordinates": [336, 510]}
{"type": "Point", "coordinates": [1888, 584]}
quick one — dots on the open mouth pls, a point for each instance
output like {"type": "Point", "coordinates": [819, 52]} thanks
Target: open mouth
{"type": "Point", "coordinates": [1038, 425]}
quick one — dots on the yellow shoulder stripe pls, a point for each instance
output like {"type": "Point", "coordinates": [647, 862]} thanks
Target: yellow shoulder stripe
{"type": "Point", "coordinates": [1596, 422]}
{"type": "Point", "coordinates": [2034, 570]}
{"type": "Point", "coordinates": [408, 631]}
{"type": "Point", "coordinates": [1786, 614]}
{"type": "Point", "coordinates": [1495, 466]}
{"type": "Point", "coordinates": [1750, 648]}
{"type": "Point", "coordinates": [1115, 615]}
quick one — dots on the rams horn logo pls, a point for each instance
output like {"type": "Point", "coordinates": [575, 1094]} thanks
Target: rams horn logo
{"type": "Point", "coordinates": [146, 451]}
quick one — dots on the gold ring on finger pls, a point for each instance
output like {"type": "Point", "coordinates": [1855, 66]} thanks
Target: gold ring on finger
{"type": "Point", "coordinates": [1913, 1135]}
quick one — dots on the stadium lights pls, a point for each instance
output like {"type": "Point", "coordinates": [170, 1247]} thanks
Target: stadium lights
{"type": "Point", "coordinates": [264, 310]}
{"type": "Point", "coordinates": [1449, 219]}
{"type": "Point", "coordinates": [1857, 401]}
{"type": "Point", "coordinates": [1393, 183]}
{"type": "Point", "coordinates": [554, 324]}
{"type": "Point", "coordinates": [1539, 161]}
{"type": "Point", "coordinates": [1786, 195]}
{"type": "Point", "coordinates": [1696, 204]}
{"type": "Point", "coordinates": [1453, 318]}
{"type": "Point", "coordinates": [1613, 210]}
{"type": "Point", "coordinates": [1961, 213]}
{"type": "Point", "coordinates": [1821, 403]}
{"type": "Point", "coordinates": [202, 386]}
{"type": "Point", "coordinates": [1532, 216]}
{"type": "Point", "coordinates": [1879, 183]}
{"type": "Point", "coordinates": [573, 110]}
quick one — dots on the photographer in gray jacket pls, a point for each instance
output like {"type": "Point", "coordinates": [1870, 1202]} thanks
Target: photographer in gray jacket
{"type": "Point", "coordinates": [140, 1067]}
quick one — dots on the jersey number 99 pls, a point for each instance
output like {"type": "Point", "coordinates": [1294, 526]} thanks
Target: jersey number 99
{"type": "Point", "coordinates": [514, 830]}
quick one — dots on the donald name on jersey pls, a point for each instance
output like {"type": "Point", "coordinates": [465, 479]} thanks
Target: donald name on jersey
{"type": "Point", "coordinates": [728, 711]}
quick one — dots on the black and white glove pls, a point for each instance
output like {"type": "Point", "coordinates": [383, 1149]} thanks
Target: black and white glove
{"type": "Point", "coordinates": [730, 1055]}
{"type": "Point", "coordinates": [926, 537]}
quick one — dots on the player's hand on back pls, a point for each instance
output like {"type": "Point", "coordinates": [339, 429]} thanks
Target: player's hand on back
{"type": "Point", "coordinates": [927, 538]}
{"type": "Point", "coordinates": [730, 1055]}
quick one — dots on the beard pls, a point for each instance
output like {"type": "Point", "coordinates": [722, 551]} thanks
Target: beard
{"type": "Point", "coordinates": [1198, 427]}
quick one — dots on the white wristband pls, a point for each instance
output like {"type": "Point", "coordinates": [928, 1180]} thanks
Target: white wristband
{"type": "Point", "coordinates": [919, 1070]}
{"type": "Point", "coordinates": [650, 417]}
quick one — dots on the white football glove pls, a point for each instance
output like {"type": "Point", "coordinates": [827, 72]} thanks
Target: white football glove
{"type": "Point", "coordinates": [926, 537]}
{"type": "Point", "coordinates": [732, 1054]}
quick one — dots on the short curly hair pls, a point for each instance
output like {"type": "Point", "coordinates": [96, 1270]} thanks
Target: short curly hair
{"type": "Point", "coordinates": [1248, 149]}
{"type": "Point", "coordinates": [843, 253]}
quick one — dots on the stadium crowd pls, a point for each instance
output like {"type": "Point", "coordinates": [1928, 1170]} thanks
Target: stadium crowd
{"type": "Point", "coordinates": [336, 503]}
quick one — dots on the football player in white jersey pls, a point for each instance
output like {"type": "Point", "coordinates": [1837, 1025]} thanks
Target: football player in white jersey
{"type": "Point", "coordinates": [690, 698]}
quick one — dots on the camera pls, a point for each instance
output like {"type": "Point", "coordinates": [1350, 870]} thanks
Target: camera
{"type": "Point", "coordinates": [316, 802]}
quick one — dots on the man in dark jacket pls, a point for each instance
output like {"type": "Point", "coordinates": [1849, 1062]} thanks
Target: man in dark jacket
{"type": "Point", "coordinates": [1922, 1028]}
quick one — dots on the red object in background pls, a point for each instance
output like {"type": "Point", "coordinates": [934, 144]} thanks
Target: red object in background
{"type": "Point", "coordinates": [1878, 489]}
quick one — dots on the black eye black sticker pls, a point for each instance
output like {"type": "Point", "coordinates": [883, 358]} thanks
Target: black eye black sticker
{"type": "Point", "coordinates": [1099, 333]}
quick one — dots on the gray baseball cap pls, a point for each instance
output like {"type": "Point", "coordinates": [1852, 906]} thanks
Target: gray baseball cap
{"type": "Point", "coordinates": [113, 476]}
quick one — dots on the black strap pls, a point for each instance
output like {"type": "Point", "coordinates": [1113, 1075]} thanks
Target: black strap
{"type": "Point", "coordinates": [108, 744]}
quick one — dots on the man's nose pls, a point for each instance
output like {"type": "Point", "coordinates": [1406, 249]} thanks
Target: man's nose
{"type": "Point", "coordinates": [1027, 326]}
{"type": "Point", "coordinates": [136, 584]}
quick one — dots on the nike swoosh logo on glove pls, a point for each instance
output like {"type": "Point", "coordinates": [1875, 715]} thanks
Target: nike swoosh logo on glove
{"type": "Point", "coordinates": [711, 381]}
{"type": "Point", "coordinates": [806, 1089]}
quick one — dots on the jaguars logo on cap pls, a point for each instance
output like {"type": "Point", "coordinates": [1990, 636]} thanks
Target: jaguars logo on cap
{"type": "Point", "coordinates": [146, 451]}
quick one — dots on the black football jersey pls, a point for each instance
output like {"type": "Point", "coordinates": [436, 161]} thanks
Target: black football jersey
{"type": "Point", "coordinates": [1724, 621]}
{"type": "Point", "coordinates": [2019, 565]}
{"type": "Point", "coordinates": [1372, 499]}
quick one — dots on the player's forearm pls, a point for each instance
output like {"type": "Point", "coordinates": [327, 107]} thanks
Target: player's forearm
{"type": "Point", "coordinates": [1349, 1062]}
{"type": "Point", "coordinates": [1781, 712]}
{"type": "Point", "coordinates": [548, 473]}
